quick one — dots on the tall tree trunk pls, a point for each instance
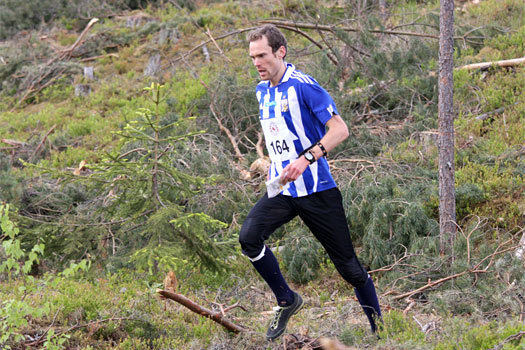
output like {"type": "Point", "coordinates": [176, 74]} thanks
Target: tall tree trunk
{"type": "Point", "coordinates": [447, 197]}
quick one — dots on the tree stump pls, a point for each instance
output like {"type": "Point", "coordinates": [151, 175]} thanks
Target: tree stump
{"type": "Point", "coordinates": [88, 73]}
{"type": "Point", "coordinates": [428, 141]}
{"type": "Point", "coordinates": [138, 19]}
{"type": "Point", "coordinates": [82, 90]}
{"type": "Point", "coordinates": [206, 53]}
{"type": "Point", "coordinates": [153, 67]}
{"type": "Point", "coordinates": [168, 35]}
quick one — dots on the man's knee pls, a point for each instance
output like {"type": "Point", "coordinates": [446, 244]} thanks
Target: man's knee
{"type": "Point", "coordinates": [352, 271]}
{"type": "Point", "coordinates": [251, 240]}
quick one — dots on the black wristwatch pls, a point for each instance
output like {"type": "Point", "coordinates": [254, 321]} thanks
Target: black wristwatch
{"type": "Point", "coordinates": [309, 157]}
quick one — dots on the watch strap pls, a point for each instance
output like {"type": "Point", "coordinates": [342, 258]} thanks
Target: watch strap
{"type": "Point", "coordinates": [325, 153]}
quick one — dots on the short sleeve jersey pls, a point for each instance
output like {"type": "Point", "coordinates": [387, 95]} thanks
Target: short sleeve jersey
{"type": "Point", "coordinates": [293, 116]}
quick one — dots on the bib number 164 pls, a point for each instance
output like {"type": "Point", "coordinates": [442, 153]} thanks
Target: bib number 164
{"type": "Point", "coordinates": [279, 147]}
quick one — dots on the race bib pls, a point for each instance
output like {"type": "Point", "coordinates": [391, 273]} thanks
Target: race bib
{"type": "Point", "coordinates": [279, 139]}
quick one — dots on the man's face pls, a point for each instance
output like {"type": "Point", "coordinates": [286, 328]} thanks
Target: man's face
{"type": "Point", "coordinates": [269, 64]}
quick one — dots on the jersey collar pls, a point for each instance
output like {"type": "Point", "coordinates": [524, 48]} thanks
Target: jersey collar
{"type": "Point", "coordinates": [290, 68]}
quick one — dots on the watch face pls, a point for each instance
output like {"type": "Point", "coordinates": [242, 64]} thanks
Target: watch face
{"type": "Point", "coordinates": [309, 156]}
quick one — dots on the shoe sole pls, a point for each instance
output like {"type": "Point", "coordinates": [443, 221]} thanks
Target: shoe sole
{"type": "Point", "coordinates": [284, 329]}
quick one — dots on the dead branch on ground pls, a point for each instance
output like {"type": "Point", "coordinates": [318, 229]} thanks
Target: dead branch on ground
{"type": "Point", "coordinates": [43, 339]}
{"type": "Point", "coordinates": [35, 152]}
{"type": "Point", "coordinates": [198, 309]}
{"type": "Point", "coordinates": [485, 65]}
{"type": "Point", "coordinates": [510, 338]}
{"type": "Point", "coordinates": [62, 55]}
{"type": "Point", "coordinates": [67, 52]}
{"type": "Point", "coordinates": [474, 270]}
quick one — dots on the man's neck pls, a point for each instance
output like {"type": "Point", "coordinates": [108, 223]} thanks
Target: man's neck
{"type": "Point", "coordinates": [278, 76]}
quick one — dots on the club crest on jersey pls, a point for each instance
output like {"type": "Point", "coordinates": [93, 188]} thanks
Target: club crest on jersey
{"type": "Point", "coordinates": [284, 105]}
{"type": "Point", "coordinates": [274, 129]}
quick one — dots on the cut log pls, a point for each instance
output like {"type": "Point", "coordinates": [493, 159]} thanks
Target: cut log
{"type": "Point", "coordinates": [215, 316]}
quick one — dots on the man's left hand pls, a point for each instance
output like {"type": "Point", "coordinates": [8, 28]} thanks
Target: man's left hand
{"type": "Point", "coordinates": [293, 170]}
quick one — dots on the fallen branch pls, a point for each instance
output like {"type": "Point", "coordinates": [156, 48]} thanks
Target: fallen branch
{"type": "Point", "coordinates": [351, 160]}
{"type": "Point", "coordinates": [42, 339]}
{"type": "Point", "coordinates": [488, 114]}
{"type": "Point", "coordinates": [68, 51]}
{"type": "Point", "coordinates": [484, 65]}
{"type": "Point", "coordinates": [14, 142]}
{"type": "Point", "coordinates": [474, 270]}
{"type": "Point", "coordinates": [92, 58]}
{"type": "Point", "coordinates": [42, 142]}
{"type": "Point", "coordinates": [32, 90]}
{"type": "Point", "coordinates": [215, 316]}
{"type": "Point", "coordinates": [510, 338]}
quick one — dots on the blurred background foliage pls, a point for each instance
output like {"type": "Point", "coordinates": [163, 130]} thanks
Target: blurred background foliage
{"type": "Point", "coordinates": [139, 186]}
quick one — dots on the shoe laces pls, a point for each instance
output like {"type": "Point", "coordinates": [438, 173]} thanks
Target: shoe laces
{"type": "Point", "coordinates": [277, 310]}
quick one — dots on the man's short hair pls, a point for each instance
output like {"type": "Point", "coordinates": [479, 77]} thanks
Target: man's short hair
{"type": "Point", "coordinates": [274, 36]}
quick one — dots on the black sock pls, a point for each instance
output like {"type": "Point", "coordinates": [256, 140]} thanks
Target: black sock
{"type": "Point", "coordinates": [268, 268]}
{"type": "Point", "coordinates": [368, 299]}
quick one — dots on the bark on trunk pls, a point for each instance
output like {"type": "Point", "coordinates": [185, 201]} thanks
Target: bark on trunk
{"type": "Point", "coordinates": [447, 202]}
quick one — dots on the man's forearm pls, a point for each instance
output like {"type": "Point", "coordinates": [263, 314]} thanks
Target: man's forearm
{"type": "Point", "coordinates": [337, 133]}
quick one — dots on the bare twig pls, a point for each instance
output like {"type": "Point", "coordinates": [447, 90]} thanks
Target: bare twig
{"type": "Point", "coordinates": [183, 56]}
{"type": "Point", "coordinates": [42, 142]}
{"type": "Point", "coordinates": [228, 133]}
{"type": "Point", "coordinates": [346, 29]}
{"type": "Point", "coordinates": [258, 146]}
{"type": "Point", "coordinates": [397, 262]}
{"type": "Point", "coordinates": [330, 55]}
{"type": "Point", "coordinates": [216, 45]}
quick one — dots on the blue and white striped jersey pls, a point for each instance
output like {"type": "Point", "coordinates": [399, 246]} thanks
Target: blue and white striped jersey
{"type": "Point", "coordinates": [293, 115]}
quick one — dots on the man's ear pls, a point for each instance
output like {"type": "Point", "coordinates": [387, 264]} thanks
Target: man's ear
{"type": "Point", "coordinates": [281, 52]}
